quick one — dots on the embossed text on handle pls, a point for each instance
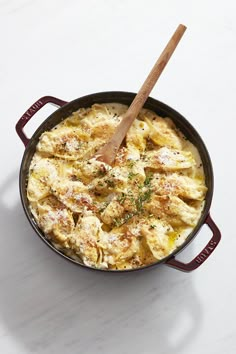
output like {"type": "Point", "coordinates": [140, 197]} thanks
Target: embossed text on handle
{"type": "Point", "coordinates": [206, 252]}
{"type": "Point", "coordinates": [31, 111]}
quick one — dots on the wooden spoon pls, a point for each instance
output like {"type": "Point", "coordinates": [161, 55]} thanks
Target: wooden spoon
{"type": "Point", "coordinates": [107, 153]}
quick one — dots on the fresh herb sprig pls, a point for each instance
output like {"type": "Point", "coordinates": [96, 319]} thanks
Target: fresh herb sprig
{"type": "Point", "coordinates": [143, 196]}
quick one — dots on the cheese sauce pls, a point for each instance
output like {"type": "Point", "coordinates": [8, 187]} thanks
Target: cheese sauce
{"type": "Point", "coordinates": [124, 216]}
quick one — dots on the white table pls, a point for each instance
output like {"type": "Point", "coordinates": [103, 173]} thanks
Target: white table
{"type": "Point", "coordinates": [69, 48]}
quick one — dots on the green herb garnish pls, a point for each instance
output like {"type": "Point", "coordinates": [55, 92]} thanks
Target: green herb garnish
{"type": "Point", "coordinates": [120, 221]}
{"type": "Point", "coordinates": [131, 175]}
{"type": "Point", "coordinates": [148, 179]}
{"type": "Point", "coordinates": [110, 183]}
{"type": "Point", "coordinates": [131, 163]}
{"type": "Point", "coordinates": [143, 197]}
{"type": "Point", "coordinates": [152, 226]}
{"type": "Point", "coordinates": [122, 198]}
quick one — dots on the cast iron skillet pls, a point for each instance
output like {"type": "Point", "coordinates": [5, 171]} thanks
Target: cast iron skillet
{"type": "Point", "coordinates": [66, 108]}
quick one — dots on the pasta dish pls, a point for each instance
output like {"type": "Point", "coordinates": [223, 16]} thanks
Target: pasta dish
{"type": "Point", "coordinates": [128, 215]}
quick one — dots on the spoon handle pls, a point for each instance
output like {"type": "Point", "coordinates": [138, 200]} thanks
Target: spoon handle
{"type": "Point", "coordinates": [155, 73]}
{"type": "Point", "coordinates": [108, 152]}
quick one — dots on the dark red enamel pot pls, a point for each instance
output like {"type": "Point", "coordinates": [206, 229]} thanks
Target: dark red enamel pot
{"type": "Point", "coordinates": [66, 108]}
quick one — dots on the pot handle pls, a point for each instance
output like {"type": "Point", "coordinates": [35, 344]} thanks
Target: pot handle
{"type": "Point", "coordinates": [203, 255]}
{"type": "Point", "coordinates": [31, 111]}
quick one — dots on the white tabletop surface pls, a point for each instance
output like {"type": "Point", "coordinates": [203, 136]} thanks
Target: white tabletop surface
{"type": "Point", "coordinates": [69, 48]}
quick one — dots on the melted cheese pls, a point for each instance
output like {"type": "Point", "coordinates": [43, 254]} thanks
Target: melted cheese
{"type": "Point", "coordinates": [124, 216]}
